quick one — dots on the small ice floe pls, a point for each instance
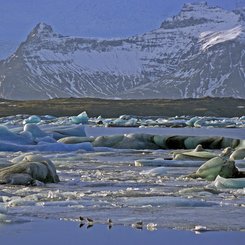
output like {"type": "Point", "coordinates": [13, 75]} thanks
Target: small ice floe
{"type": "Point", "coordinates": [149, 162]}
{"type": "Point", "coordinates": [2, 217]}
{"type": "Point", "coordinates": [35, 131]}
{"type": "Point", "coordinates": [75, 140]}
{"type": "Point", "coordinates": [238, 154]}
{"type": "Point", "coordinates": [61, 132]}
{"type": "Point", "coordinates": [32, 119]}
{"type": "Point", "coordinates": [30, 168]}
{"type": "Point", "coordinates": [160, 171]}
{"type": "Point", "coordinates": [138, 225]}
{"type": "Point", "coordinates": [9, 137]}
{"type": "Point", "coordinates": [64, 203]}
{"type": "Point", "coordinates": [166, 201]}
{"type": "Point", "coordinates": [3, 209]}
{"type": "Point", "coordinates": [197, 154]}
{"type": "Point", "coordinates": [157, 162]}
{"type": "Point", "coordinates": [219, 165]}
{"type": "Point", "coordinates": [124, 121]}
{"type": "Point", "coordinates": [135, 141]}
{"type": "Point", "coordinates": [198, 229]}
{"type": "Point", "coordinates": [81, 118]}
{"type": "Point", "coordinates": [48, 117]}
{"type": "Point", "coordinates": [151, 227]}
{"type": "Point", "coordinates": [3, 213]}
{"type": "Point", "coordinates": [20, 202]}
{"type": "Point", "coordinates": [230, 183]}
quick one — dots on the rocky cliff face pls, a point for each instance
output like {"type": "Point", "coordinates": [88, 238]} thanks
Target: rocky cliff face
{"type": "Point", "coordinates": [199, 52]}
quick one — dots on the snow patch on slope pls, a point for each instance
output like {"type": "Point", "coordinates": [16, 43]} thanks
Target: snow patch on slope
{"type": "Point", "coordinates": [210, 39]}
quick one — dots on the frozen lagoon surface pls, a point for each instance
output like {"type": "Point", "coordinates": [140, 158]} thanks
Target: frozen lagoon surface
{"type": "Point", "coordinates": [104, 184]}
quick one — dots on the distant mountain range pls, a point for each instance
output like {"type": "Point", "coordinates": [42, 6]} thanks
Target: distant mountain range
{"type": "Point", "coordinates": [199, 52]}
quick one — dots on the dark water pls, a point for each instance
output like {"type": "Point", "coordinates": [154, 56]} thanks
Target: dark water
{"type": "Point", "coordinates": [60, 232]}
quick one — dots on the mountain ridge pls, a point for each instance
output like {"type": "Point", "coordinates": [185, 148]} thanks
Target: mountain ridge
{"type": "Point", "coordinates": [197, 53]}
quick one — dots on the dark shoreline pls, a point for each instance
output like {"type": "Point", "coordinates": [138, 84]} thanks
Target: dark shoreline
{"type": "Point", "coordinates": [208, 106]}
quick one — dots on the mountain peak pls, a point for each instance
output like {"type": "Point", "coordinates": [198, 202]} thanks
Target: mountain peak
{"type": "Point", "coordinates": [197, 53]}
{"type": "Point", "coordinates": [41, 30]}
{"type": "Point", "coordinates": [203, 4]}
{"type": "Point", "coordinates": [198, 13]}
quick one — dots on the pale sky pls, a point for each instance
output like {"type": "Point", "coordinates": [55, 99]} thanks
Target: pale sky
{"type": "Point", "coordinates": [87, 18]}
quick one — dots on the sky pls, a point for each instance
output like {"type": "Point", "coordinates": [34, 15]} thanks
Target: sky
{"type": "Point", "coordinates": [87, 18]}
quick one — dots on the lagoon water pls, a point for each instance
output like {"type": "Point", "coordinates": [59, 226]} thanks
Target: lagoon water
{"type": "Point", "coordinates": [105, 184]}
{"type": "Point", "coordinates": [69, 233]}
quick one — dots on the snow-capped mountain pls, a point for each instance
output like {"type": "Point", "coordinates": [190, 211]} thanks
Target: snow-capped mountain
{"type": "Point", "coordinates": [200, 52]}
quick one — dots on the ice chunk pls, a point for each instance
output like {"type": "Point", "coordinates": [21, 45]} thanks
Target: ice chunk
{"type": "Point", "coordinates": [6, 136]}
{"type": "Point", "coordinates": [81, 118]}
{"type": "Point", "coordinates": [35, 131]}
{"type": "Point", "coordinates": [160, 171]}
{"type": "Point", "coordinates": [32, 119]}
{"type": "Point", "coordinates": [221, 182]}
{"type": "Point", "coordinates": [31, 167]}
{"type": "Point", "coordinates": [59, 133]}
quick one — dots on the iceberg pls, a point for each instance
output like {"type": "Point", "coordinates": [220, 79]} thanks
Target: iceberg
{"type": "Point", "coordinates": [81, 118]}
{"type": "Point", "coordinates": [28, 170]}
{"type": "Point", "coordinates": [7, 136]}
{"type": "Point", "coordinates": [35, 131]}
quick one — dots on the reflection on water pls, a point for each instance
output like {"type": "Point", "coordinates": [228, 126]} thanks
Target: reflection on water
{"type": "Point", "coordinates": [58, 232]}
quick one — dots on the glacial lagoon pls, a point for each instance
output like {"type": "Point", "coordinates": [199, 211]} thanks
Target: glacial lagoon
{"type": "Point", "coordinates": [102, 182]}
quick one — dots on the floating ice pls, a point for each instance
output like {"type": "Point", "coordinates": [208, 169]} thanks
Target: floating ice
{"type": "Point", "coordinates": [122, 121]}
{"type": "Point", "coordinates": [221, 182]}
{"type": "Point", "coordinates": [32, 119]}
{"type": "Point", "coordinates": [200, 228]}
{"type": "Point", "coordinates": [126, 141]}
{"type": "Point", "coordinates": [61, 132]}
{"type": "Point", "coordinates": [30, 168]}
{"type": "Point", "coordinates": [238, 154]}
{"type": "Point", "coordinates": [201, 156]}
{"type": "Point", "coordinates": [48, 117]}
{"type": "Point", "coordinates": [46, 139]}
{"type": "Point", "coordinates": [75, 140]}
{"type": "Point", "coordinates": [167, 163]}
{"type": "Point", "coordinates": [192, 121]}
{"type": "Point", "coordinates": [219, 165]}
{"type": "Point", "coordinates": [20, 202]}
{"type": "Point", "coordinates": [166, 202]}
{"type": "Point", "coordinates": [160, 171]}
{"type": "Point", "coordinates": [44, 146]}
{"type": "Point", "coordinates": [81, 118]}
{"type": "Point", "coordinates": [35, 131]}
{"type": "Point", "coordinates": [149, 141]}
{"type": "Point", "coordinates": [151, 227]}
{"type": "Point", "coordinates": [3, 212]}
{"type": "Point", "coordinates": [9, 137]}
